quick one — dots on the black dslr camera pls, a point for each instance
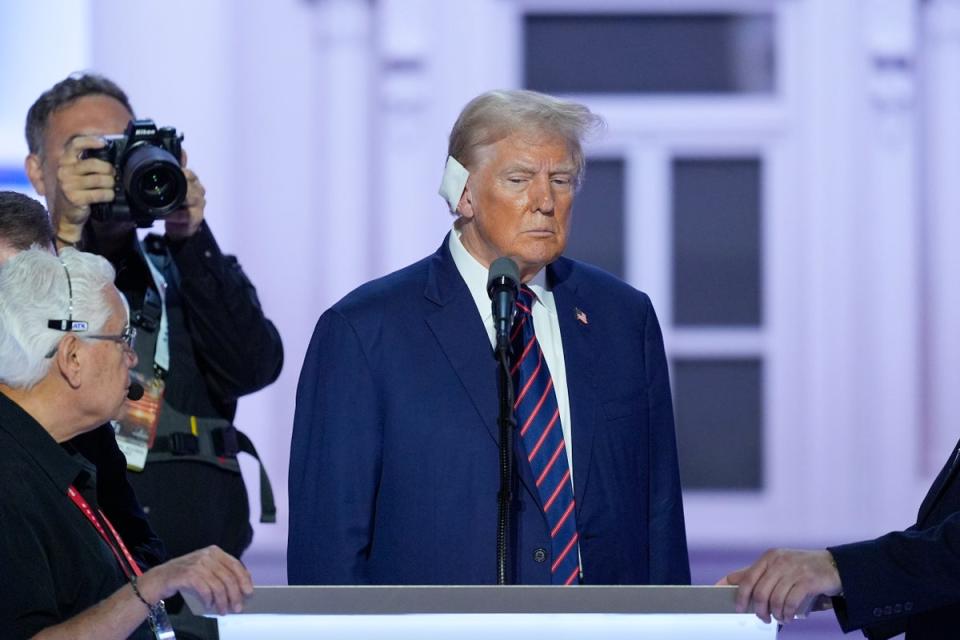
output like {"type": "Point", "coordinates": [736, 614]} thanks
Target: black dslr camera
{"type": "Point", "coordinates": [150, 183]}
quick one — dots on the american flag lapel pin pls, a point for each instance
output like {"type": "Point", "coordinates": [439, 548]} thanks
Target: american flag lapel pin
{"type": "Point", "coordinates": [581, 315]}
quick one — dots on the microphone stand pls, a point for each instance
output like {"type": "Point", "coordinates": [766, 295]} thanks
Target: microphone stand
{"type": "Point", "coordinates": [503, 284]}
{"type": "Point", "coordinates": [507, 424]}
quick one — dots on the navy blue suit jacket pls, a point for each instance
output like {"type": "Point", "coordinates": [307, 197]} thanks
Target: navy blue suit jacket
{"type": "Point", "coordinates": [394, 460]}
{"type": "Point", "coordinates": [907, 581]}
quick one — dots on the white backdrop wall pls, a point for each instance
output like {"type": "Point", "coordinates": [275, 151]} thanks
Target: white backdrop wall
{"type": "Point", "coordinates": [319, 129]}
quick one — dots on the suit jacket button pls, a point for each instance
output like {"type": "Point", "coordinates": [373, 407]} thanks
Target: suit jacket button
{"type": "Point", "coordinates": [878, 612]}
{"type": "Point", "coordinates": [887, 610]}
{"type": "Point", "coordinates": [898, 608]}
{"type": "Point", "coordinates": [540, 554]}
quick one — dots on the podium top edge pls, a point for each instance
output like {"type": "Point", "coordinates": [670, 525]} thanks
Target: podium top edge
{"type": "Point", "coordinates": [489, 599]}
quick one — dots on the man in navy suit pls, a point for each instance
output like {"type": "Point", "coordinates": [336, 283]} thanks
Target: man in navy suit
{"type": "Point", "coordinates": [394, 460]}
{"type": "Point", "coordinates": [904, 581]}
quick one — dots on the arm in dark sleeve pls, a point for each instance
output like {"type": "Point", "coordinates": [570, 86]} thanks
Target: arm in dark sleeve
{"type": "Point", "coordinates": [116, 497]}
{"type": "Point", "coordinates": [239, 346]}
{"type": "Point", "coordinates": [669, 563]}
{"type": "Point", "coordinates": [335, 458]}
{"type": "Point", "coordinates": [910, 571]}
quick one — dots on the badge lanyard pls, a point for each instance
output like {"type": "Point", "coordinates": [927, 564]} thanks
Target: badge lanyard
{"type": "Point", "coordinates": [137, 429]}
{"type": "Point", "coordinates": [159, 622]}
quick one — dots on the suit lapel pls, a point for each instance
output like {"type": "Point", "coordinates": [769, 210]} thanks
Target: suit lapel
{"type": "Point", "coordinates": [579, 355]}
{"type": "Point", "coordinates": [460, 333]}
{"type": "Point", "coordinates": [940, 484]}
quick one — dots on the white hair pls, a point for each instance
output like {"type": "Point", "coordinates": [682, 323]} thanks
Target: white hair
{"type": "Point", "coordinates": [494, 115]}
{"type": "Point", "coordinates": [34, 289]}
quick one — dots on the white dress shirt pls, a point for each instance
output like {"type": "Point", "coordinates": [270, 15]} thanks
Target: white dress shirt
{"type": "Point", "coordinates": [545, 323]}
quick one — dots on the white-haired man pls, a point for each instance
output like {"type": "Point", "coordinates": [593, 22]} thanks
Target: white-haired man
{"type": "Point", "coordinates": [398, 393]}
{"type": "Point", "coordinates": [65, 358]}
{"type": "Point", "coordinates": [24, 223]}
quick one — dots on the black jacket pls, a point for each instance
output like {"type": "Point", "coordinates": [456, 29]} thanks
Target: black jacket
{"type": "Point", "coordinates": [907, 581]}
{"type": "Point", "coordinates": [221, 347]}
{"type": "Point", "coordinates": [54, 565]}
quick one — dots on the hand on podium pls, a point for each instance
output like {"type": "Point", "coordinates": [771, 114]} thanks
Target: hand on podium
{"type": "Point", "coordinates": [786, 584]}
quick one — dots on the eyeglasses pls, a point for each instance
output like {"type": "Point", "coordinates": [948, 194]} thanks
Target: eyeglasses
{"type": "Point", "coordinates": [126, 338]}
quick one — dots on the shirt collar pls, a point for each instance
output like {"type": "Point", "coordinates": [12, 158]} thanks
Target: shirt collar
{"type": "Point", "coordinates": [61, 463]}
{"type": "Point", "coordinates": [475, 275]}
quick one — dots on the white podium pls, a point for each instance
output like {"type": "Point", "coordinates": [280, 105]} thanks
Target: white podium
{"type": "Point", "coordinates": [484, 612]}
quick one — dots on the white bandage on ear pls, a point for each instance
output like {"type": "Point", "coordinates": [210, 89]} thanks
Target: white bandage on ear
{"type": "Point", "coordinates": [454, 182]}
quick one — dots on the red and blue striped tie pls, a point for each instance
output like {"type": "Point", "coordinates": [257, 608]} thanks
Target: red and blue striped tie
{"type": "Point", "coordinates": [538, 417]}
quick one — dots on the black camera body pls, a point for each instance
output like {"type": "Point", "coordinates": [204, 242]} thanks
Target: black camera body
{"type": "Point", "coordinates": [149, 181]}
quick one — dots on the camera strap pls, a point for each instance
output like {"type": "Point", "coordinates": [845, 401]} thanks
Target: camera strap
{"type": "Point", "coordinates": [161, 354]}
{"type": "Point", "coordinates": [156, 427]}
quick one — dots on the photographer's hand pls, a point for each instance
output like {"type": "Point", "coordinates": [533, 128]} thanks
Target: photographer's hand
{"type": "Point", "coordinates": [80, 183]}
{"type": "Point", "coordinates": [184, 222]}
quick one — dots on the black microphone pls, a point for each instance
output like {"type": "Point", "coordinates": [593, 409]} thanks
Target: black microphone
{"type": "Point", "coordinates": [135, 391]}
{"type": "Point", "coordinates": [503, 283]}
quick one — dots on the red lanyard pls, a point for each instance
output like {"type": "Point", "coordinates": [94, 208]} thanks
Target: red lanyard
{"type": "Point", "coordinates": [130, 564]}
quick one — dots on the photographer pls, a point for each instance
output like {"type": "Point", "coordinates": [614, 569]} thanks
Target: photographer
{"type": "Point", "coordinates": [204, 340]}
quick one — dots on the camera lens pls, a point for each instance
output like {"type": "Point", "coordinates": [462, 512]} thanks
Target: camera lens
{"type": "Point", "coordinates": [153, 181]}
{"type": "Point", "coordinates": [158, 186]}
